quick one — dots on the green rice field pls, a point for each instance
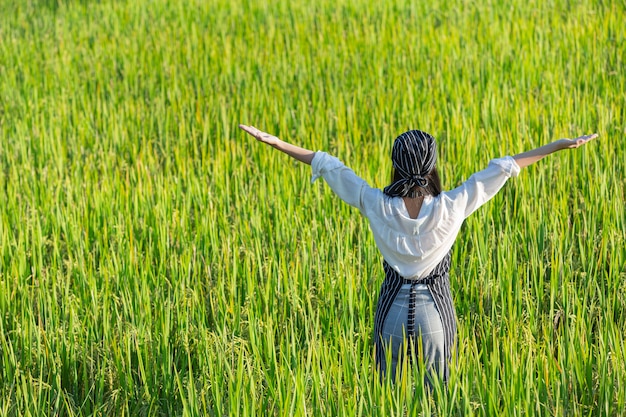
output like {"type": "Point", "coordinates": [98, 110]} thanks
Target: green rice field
{"type": "Point", "coordinates": [157, 261]}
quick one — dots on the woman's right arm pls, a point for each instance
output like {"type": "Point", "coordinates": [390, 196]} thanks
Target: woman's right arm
{"type": "Point", "coordinates": [525, 159]}
{"type": "Point", "coordinates": [483, 185]}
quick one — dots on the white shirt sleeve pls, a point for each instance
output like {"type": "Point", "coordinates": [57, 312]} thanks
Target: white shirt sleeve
{"type": "Point", "coordinates": [341, 179]}
{"type": "Point", "coordinates": [481, 186]}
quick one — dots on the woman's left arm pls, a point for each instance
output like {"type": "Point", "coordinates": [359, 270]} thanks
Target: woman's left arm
{"type": "Point", "coordinates": [296, 152]}
{"type": "Point", "coordinates": [341, 179]}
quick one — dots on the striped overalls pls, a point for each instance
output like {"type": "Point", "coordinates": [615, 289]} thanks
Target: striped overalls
{"type": "Point", "coordinates": [413, 310]}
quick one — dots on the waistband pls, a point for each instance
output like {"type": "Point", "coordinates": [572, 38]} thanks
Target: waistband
{"type": "Point", "coordinates": [425, 281]}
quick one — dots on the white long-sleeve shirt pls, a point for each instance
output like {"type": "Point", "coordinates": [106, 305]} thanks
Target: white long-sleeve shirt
{"type": "Point", "coordinates": [413, 247]}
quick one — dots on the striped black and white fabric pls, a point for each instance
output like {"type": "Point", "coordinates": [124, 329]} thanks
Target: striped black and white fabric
{"type": "Point", "coordinates": [414, 155]}
{"type": "Point", "coordinates": [409, 311]}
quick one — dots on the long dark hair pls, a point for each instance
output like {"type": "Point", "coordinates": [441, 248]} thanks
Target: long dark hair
{"type": "Point", "coordinates": [433, 187]}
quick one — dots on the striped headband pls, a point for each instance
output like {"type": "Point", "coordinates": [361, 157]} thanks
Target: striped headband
{"type": "Point", "coordinates": [414, 155]}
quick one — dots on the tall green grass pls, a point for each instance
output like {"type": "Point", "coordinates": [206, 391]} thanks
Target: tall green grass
{"type": "Point", "coordinates": [156, 261]}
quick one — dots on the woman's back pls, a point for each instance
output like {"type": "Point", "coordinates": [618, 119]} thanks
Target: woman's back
{"type": "Point", "coordinates": [414, 244]}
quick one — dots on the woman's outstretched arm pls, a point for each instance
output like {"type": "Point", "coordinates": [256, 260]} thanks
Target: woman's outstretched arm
{"type": "Point", "coordinates": [530, 157]}
{"type": "Point", "coordinates": [296, 152]}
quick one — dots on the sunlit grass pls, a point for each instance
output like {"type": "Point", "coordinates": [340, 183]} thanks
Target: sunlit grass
{"type": "Point", "coordinates": [156, 261]}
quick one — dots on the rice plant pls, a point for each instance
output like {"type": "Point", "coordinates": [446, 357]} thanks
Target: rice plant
{"type": "Point", "coordinates": [156, 261]}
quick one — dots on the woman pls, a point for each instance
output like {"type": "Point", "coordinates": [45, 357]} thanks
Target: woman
{"type": "Point", "coordinates": [414, 225]}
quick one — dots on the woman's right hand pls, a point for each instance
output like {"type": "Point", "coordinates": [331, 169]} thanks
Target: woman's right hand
{"type": "Point", "coordinates": [575, 143]}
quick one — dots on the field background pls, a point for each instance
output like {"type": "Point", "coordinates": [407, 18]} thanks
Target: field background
{"type": "Point", "coordinates": [155, 260]}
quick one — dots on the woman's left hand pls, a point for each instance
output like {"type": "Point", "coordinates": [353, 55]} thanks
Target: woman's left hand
{"type": "Point", "coordinates": [260, 135]}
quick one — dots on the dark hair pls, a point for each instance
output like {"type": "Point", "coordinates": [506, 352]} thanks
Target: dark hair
{"type": "Point", "coordinates": [432, 188]}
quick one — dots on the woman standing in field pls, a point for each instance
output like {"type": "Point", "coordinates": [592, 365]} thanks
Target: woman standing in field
{"type": "Point", "coordinates": [415, 224]}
